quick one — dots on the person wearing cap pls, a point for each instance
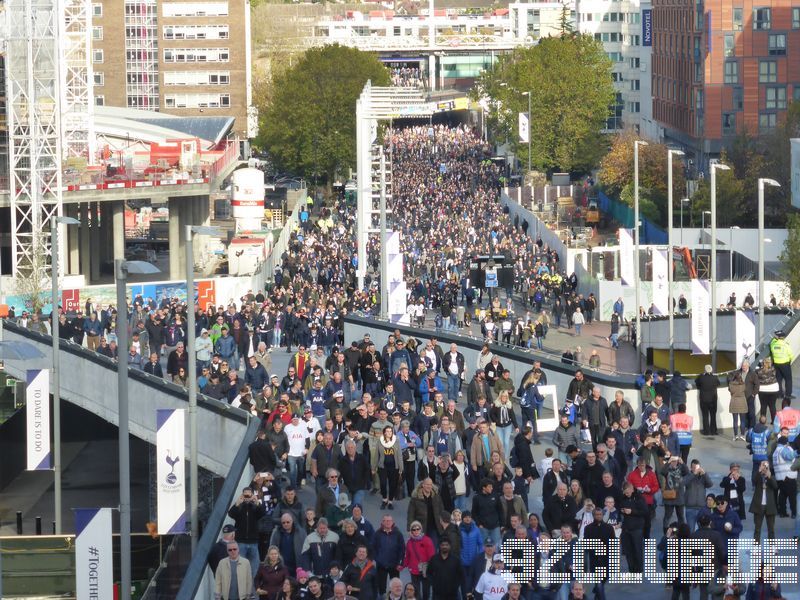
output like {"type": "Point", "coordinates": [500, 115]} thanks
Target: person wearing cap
{"type": "Point", "coordinates": [481, 564]}
{"type": "Point", "coordinates": [220, 550]}
{"type": "Point", "coordinates": [782, 358]}
{"type": "Point", "coordinates": [725, 520]}
{"type": "Point", "coordinates": [492, 585]}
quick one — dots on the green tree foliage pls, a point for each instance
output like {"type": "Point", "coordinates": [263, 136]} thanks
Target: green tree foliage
{"type": "Point", "coordinates": [617, 173]}
{"type": "Point", "coordinates": [790, 257]}
{"type": "Point", "coordinates": [751, 157]}
{"type": "Point", "coordinates": [569, 78]}
{"type": "Point", "coordinates": [309, 123]}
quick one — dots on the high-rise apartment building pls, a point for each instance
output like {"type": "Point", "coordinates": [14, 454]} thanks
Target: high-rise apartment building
{"type": "Point", "coordinates": [174, 56]}
{"type": "Point", "coordinates": [723, 65]}
{"type": "Point", "coordinates": [623, 29]}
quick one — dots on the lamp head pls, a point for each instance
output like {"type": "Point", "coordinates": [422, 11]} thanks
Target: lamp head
{"type": "Point", "coordinates": [720, 167]}
{"type": "Point", "coordinates": [676, 152]}
{"type": "Point", "coordinates": [771, 182]}
{"type": "Point", "coordinates": [66, 221]}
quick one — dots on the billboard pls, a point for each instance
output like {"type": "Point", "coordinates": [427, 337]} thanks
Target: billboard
{"type": "Point", "coordinates": [647, 27]}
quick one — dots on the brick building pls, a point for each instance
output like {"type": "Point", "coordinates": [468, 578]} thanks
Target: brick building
{"type": "Point", "coordinates": [173, 56]}
{"type": "Point", "coordinates": [720, 66]}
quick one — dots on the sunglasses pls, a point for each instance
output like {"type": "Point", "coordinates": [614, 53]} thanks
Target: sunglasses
{"type": "Point", "coordinates": [416, 529]}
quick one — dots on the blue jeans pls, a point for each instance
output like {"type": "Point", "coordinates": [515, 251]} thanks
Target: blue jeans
{"type": "Point", "coordinates": [250, 552]}
{"type": "Point", "coordinates": [691, 516]}
{"type": "Point", "coordinates": [578, 329]}
{"type": "Point", "coordinates": [453, 382]}
{"type": "Point", "coordinates": [494, 534]}
{"type": "Point", "coordinates": [739, 420]}
{"type": "Point", "coordinates": [539, 343]}
{"type": "Point", "coordinates": [615, 340]}
{"type": "Point", "coordinates": [358, 497]}
{"type": "Point", "coordinates": [505, 437]}
{"type": "Point", "coordinates": [297, 469]}
{"type": "Point", "coordinates": [461, 503]}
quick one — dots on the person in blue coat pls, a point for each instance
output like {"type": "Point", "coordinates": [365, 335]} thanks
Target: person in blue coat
{"type": "Point", "coordinates": [388, 547]}
{"type": "Point", "coordinates": [725, 520]}
{"type": "Point", "coordinates": [471, 545]}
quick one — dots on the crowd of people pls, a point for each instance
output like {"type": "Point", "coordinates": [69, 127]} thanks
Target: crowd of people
{"type": "Point", "coordinates": [405, 76]}
{"type": "Point", "coordinates": [449, 449]}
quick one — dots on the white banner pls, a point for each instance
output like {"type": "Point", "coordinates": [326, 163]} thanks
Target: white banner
{"type": "Point", "coordinates": [626, 270]}
{"type": "Point", "coordinates": [94, 556]}
{"type": "Point", "coordinates": [37, 410]}
{"type": "Point", "coordinates": [660, 282]}
{"type": "Point", "coordinates": [524, 129]}
{"type": "Point", "coordinates": [745, 335]}
{"type": "Point", "coordinates": [170, 470]}
{"type": "Point", "coordinates": [699, 305]}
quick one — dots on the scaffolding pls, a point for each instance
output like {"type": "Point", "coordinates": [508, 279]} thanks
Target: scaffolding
{"type": "Point", "coordinates": [34, 129]}
{"type": "Point", "coordinates": [141, 54]}
{"type": "Point", "coordinates": [77, 97]}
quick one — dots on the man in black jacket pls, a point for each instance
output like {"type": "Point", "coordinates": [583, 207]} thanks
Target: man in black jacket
{"type": "Point", "coordinates": [444, 572]}
{"type": "Point", "coordinates": [220, 549]}
{"type": "Point", "coordinates": [552, 478]}
{"type": "Point", "coordinates": [559, 509]}
{"type": "Point", "coordinates": [522, 449]}
{"type": "Point", "coordinates": [486, 511]}
{"type": "Point", "coordinates": [246, 513]}
{"type": "Point", "coordinates": [707, 385]}
{"type": "Point", "coordinates": [262, 454]}
{"type": "Point", "coordinates": [153, 366]}
{"type": "Point", "coordinates": [634, 513]}
{"type": "Point", "coordinates": [453, 364]}
{"type": "Point", "coordinates": [354, 468]}
{"type": "Point", "coordinates": [598, 530]}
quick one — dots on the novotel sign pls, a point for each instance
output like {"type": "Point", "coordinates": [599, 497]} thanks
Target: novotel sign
{"type": "Point", "coordinates": [647, 27]}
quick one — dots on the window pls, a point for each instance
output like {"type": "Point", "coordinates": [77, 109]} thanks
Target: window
{"type": "Point", "coordinates": [698, 100]}
{"type": "Point", "coordinates": [730, 45]}
{"type": "Point", "coordinates": [796, 18]}
{"type": "Point", "coordinates": [634, 63]}
{"type": "Point", "coordinates": [97, 33]}
{"type": "Point", "coordinates": [777, 44]}
{"type": "Point", "coordinates": [635, 85]}
{"type": "Point", "coordinates": [633, 107]}
{"type": "Point", "coordinates": [728, 123]}
{"type": "Point", "coordinates": [97, 56]}
{"type": "Point", "coordinates": [738, 98]}
{"type": "Point", "coordinates": [737, 19]}
{"type": "Point", "coordinates": [767, 122]}
{"type": "Point", "coordinates": [731, 71]}
{"type": "Point", "coordinates": [97, 10]}
{"type": "Point", "coordinates": [99, 78]}
{"type": "Point", "coordinates": [767, 71]}
{"type": "Point", "coordinates": [195, 9]}
{"type": "Point", "coordinates": [762, 18]}
{"type": "Point", "coordinates": [776, 98]}
{"type": "Point", "coordinates": [99, 100]}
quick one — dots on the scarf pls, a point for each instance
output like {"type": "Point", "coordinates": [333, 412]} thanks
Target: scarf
{"type": "Point", "coordinates": [388, 444]}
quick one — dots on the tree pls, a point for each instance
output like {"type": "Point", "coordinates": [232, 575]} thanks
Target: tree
{"type": "Point", "coordinates": [617, 174]}
{"type": "Point", "coordinates": [790, 257]}
{"type": "Point", "coordinates": [308, 125]}
{"type": "Point", "coordinates": [733, 196]}
{"type": "Point", "coordinates": [569, 78]}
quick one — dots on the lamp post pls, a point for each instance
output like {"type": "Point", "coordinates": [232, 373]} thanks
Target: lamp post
{"type": "Point", "coordinates": [636, 145]}
{"type": "Point", "coordinates": [730, 250]}
{"type": "Point", "coordinates": [683, 201]}
{"type": "Point", "coordinates": [54, 334]}
{"type": "Point", "coordinates": [703, 222]}
{"type": "Point", "coordinates": [762, 182]}
{"type": "Point", "coordinates": [121, 270]}
{"type": "Point", "coordinates": [194, 483]}
{"type": "Point", "coordinates": [670, 154]}
{"type": "Point", "coordinates": [528, 94]}
{"type": "Point", "coordinates": [714, 168]}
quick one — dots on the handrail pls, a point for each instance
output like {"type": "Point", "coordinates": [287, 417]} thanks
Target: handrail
{"type": "Point", "coordinates": [197, 567]}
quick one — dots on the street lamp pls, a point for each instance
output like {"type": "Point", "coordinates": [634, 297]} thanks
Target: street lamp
{"type": "Point", "coordinates": [703, 224]}
{"type": "Point", "coordinates": [636, 145]}
{"type": "Point", "coordinates": [714, 168]}
{"type": "Point", "coordinates": [194, 484]}
{"type": "Point", "coordinates": [761, 241]}
{"type": "Point", "coordinates": [528, 94]}
{"type": "Point", "coordinates": [121, 270]}
{"type": "Point", "coordinates": [730, 250]}
{"type": "Point", "coordinates": [670, 154]}
{"type": "Point", "coordinates": [683, 201]}
{"type": "Point", "coordinates": [54, 333]}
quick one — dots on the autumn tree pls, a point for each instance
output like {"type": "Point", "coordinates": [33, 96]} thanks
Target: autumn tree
{"type": "Point", "coordinates": [617, 174]}
{"type": "Point", "coordinates": [569, 79]}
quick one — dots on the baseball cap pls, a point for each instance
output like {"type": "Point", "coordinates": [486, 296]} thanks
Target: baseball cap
{"type": "Point", "coordinates": [228, 529]}
{"type": "Point", "coordinates": [274, 376]}
{"type": "Point", "coordinates": [497, 558]}
{"type": "Point", "coordinates": [488, 541]}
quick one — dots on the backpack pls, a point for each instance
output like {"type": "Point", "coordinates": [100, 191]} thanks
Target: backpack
{"type": "Point", "coordinates": [513, 458]}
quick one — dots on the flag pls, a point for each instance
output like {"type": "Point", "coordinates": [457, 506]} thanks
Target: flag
{"type": "Point", "coordinates": [524, 129]}
{"type": "Point", "coordinates": [701, 342]}
{"type": "Point", "coordinates": [94, 556]}
{"type": "Point", "coordinates": [661, 282]}
{"type": "Point", "coordinates": [171, 467]}
{"type": "Point", "coordinates": [745, 335]}
{"type": "Point", "coordinates": [37, 412]}
{"type": "Point", "coordinates": [626, 250]}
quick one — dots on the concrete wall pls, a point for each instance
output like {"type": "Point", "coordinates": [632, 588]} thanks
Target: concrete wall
{"type": "Point", "coordinates": [90, 381]}
{"type": "Point", "coordinates": [519, 360]}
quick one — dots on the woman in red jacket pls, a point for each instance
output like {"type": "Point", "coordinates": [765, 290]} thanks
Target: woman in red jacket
{"type": "Point", "coordinates": [645, 482]}
{"type": "Point", "coordinates": [419, 550]}
{"type": "Point", "coordinates": [271, 574]}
